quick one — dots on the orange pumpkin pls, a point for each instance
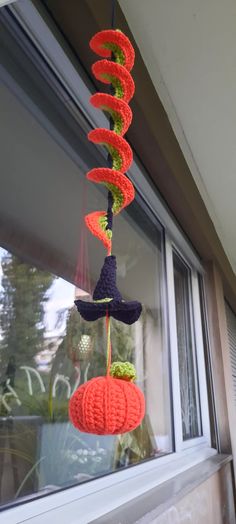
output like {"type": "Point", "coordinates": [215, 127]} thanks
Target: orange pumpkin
{"type": "Point", "coordinates": [107, 406]}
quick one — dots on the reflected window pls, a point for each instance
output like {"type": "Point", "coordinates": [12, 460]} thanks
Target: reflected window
{"type": "Point", "coordinates": [190, 407]}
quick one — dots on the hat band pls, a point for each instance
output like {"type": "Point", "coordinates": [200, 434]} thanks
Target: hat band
{"type": "Point", "coordinates": [103, 300]}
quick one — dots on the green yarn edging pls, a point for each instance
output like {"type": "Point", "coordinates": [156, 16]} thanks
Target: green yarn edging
{"type": "Point", "coordinates": [117, 51]}
{"type": "Point", "coordinates": [118, 122]}
{"type": "Point", "coordinates": [117, 197]}
{"type": "Point", "coordinates": [116, 158]}
{"type": "Point", "coordinates": [103, 222]}
{"type": "Point", "coordinates": [103, 300]}
{"type": "Point", "coordinates": [119, 93]}
{"type": "Point", "coordinates": [123, 370]}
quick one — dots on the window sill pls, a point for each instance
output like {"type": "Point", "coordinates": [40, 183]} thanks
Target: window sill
{"type": "Point", "coordinates": [155, 502]}
{"type": "Point", "coordinates": [95, 499]}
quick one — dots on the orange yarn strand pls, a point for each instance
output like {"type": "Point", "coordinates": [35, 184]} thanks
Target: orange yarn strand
{"type": "Point", "coordinates": [109, 249]}
{"type": "Point", "coordinates": [108, 328]}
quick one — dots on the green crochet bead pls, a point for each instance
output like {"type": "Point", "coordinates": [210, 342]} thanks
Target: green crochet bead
{"type": "Point", "coordinates": [123, 370]}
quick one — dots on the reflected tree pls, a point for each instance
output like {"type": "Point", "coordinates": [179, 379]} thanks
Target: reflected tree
{"type": "Point", "coordinates": [23, 295]}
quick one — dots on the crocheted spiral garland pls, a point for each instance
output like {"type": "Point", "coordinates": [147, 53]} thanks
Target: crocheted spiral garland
{"type": "Point", "coordinates": [116, 73]}
{"type": "Point", "coordinates": [120, 189]}
{"type": "Point", "coordinates": [110, 404]}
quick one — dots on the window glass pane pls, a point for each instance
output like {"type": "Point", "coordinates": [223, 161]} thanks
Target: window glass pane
{"type": "Point", "coordinates": [48, 259]}
{"type": "Point", "coordinates": [190, 408]}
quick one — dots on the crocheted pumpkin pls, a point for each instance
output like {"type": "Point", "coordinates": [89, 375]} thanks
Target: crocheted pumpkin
{"type": "Point", "coordinates": [107, 406]}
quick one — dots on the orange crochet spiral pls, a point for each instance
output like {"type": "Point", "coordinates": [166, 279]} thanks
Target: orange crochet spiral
{"type": "Point", "coordinates": [117, 73]}
{"type": "Point", "coordinates": [107, 406]}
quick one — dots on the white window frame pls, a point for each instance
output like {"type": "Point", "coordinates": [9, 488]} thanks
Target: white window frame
{"type": "Point", "coordinates": [180, 444]}
{"type": "Point", "coordinates": [97, 497]}
{"type": "Point", "coordinates": [5, 2]}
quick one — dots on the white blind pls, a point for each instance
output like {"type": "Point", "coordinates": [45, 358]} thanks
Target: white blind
{"type": "Point", "coordinates": [231, 326]}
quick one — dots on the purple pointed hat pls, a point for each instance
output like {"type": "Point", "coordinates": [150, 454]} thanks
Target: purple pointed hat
{"type": "Point", "coordinates": [106, 297]}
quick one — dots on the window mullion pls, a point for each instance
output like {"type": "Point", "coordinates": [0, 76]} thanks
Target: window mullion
{"type": "Point", "coordinates": [173, 347]}
{"type": "Point", "coordinates": [200, 357]}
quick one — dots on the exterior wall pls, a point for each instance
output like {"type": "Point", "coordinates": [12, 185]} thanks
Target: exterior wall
{"type": "Point", "coordinates": [209, 503]}
{"type": "Point", "coordinates": [220, 361]}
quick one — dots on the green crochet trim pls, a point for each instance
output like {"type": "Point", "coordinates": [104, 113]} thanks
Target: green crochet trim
{"type": "Point", "coordinates": [117, 197]}
{"type": "Point", "coordinates": [103, 224]}
{"type": "Point", "coordinates": [103, 300]}
{"type": "Point", "coordinates": [123, 370]}
{"type": "Point", "coordinates": [118, 122]}
{"type": "Point", "coordinates": [119, 93]}
{"type": "Point", "coordinates": [116, 158]}
{"type": "Point", "coordinates": [116, 50]}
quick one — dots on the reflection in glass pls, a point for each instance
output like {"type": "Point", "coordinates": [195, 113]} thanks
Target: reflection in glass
{"type": "Point", "coordinates": [191, 422]}
{"type": "Point", "coordinates": [46, 349]}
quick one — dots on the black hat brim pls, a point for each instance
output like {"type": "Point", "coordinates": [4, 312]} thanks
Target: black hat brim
{"type": "Point", "coordinates": [127, 312]}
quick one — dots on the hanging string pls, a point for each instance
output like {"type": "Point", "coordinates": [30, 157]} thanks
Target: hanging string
{"type": "Point", "coordinates": [113, 8]}
{"type": "Point", "coordinates": [109, 157]}
{"type": "Point", "coordinates": [109, 207]}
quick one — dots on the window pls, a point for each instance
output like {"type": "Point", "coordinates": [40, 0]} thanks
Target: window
{"type": "Point", "coordinates": [231, 328]}
{"type": "Point", "coordinates": [46, 349]}
{"type": "Point", "coordinates": [190, 408]}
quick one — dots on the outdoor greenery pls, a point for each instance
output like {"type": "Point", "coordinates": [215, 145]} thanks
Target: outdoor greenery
{"type": "Point", "coordinates": [56, 454]}
{"type": "Point", "coordinates": [24, 293]}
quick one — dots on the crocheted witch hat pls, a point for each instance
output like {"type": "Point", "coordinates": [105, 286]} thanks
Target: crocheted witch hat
{"type": "Point", "coordinates": [107, 298]}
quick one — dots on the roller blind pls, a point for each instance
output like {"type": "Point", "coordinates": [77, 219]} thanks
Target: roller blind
{"type": "Point", "coordinates": [231, 326]}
